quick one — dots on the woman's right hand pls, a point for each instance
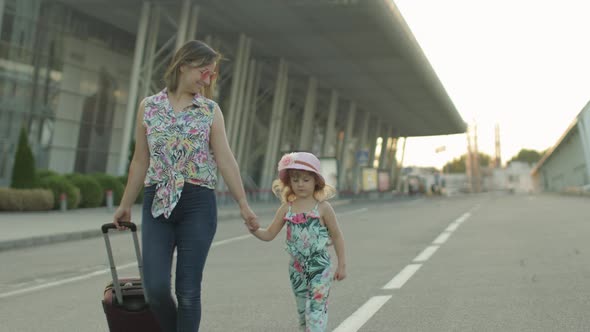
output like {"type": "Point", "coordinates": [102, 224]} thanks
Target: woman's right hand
{"type": "Point", "coordinates": [121, 214]}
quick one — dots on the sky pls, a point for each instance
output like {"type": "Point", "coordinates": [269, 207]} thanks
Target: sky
{"type": "Point", "coordinates": [524, 64]}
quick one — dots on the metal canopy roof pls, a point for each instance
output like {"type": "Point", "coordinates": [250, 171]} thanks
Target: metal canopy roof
{"type": "Point", "coordinates": [362, 48]}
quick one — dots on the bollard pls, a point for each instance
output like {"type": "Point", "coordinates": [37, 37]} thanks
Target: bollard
{"type": "Point", "coordinates": [63, 202]}
{"type": "Point", "coordinates": [109, 199]}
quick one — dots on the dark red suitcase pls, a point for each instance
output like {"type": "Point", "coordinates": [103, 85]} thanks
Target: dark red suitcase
{"type": "Point", "coordinates": [124, 302]}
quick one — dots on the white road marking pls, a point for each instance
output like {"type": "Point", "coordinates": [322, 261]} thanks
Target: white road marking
{"type": "Point", "coordinates": [98, 273]}
{"type": "Point", "coordinates": [442, 238]}
{"type": "Point", "coordinates": [364, 313]}
{"type": "Point", "coordinates": [402, 277]}
{"type": "Point", "coordinates": [452, 227]}
{"type": "Point", "coordinates": [355, 321]}
{"type": "Point", "coordinates": [455, 224]}
{"type": "Point", "coordinates": [463, 218]}
{"type": "Point", "coordinates": [53, 284]}
{"type": "Point", "coordinates": [425, 254]}
{"type": "Point", "coordinates": [125, 266]}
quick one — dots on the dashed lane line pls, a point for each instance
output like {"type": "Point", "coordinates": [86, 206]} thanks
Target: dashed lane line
{"type": "Point", "coordinates": [402, 277]}
{"type": "Point", "coordinates": [355, 321]}
{"type": "Point", "coordinates": [425, 254]}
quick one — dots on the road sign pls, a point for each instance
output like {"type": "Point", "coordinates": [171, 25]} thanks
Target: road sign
{"type": "Point", "coordinates": [362, 157]}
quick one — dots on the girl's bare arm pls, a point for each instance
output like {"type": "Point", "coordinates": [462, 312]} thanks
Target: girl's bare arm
{"type": "Point", "coordinates": [329, 217]}
{"type": "Point", "coordinates": [275, 227]}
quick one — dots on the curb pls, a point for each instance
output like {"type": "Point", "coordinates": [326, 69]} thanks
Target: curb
{"type": "Point", "coordinates": [48, 239]}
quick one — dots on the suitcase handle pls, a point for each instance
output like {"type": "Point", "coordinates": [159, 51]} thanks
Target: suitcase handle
{"type": "Point", "coordinates": [105, 231]}
{"type": "Point", "coordinates": [105, 228]}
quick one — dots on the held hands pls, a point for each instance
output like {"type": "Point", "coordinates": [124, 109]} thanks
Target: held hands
{"type": "Point", "coordinates": [250, 218]}
{"type": "Point", "coordinates": [340, 273]}
{"type": "Point", "coordinates": [121, 214]}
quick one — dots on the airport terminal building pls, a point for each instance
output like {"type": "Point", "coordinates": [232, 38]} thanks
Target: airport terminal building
{"type": "Point", "coordinates": [343, 79]}
{"type": "Point", "coordinates": [566, 166]}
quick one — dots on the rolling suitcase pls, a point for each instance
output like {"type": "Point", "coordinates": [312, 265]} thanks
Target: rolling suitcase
{"type": "Point", "coordinates": [124, 302]}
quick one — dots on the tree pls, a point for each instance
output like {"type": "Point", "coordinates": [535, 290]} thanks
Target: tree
{"type": "Point", "coordinates": [527, 156]}
{"type": "Point", "coordinates": [457, 165]}
{"type": "Point", "coordinates": [23, 170]}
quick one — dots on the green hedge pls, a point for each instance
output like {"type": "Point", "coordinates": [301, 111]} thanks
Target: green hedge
{"type": "Point", "coordinates": [43, 173]}
{"type": "Point", "coordinates": [59, 184]}
{"type": "Point", "coordinates": [91, 194]}
{"type": "Point", "coordinates": [26, 199]}
{"type": "Point", "coordinates": [109, 182]}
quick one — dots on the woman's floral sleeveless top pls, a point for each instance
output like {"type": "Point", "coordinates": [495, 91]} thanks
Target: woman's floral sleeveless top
{"type": "Point", "coordinates": [179, 149]}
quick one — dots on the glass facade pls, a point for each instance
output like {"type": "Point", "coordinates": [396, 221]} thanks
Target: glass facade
{"type": "Point", "coordinates": [63, 76]}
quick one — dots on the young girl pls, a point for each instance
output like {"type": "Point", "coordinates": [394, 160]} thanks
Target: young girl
{"type": "Point", "coordinates": [311, 226]}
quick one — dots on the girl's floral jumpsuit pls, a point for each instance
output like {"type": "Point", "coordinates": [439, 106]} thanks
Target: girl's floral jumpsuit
{"type": "Point", "coordinates": [310, 267]}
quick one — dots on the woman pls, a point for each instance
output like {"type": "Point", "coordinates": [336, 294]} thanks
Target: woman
{"type": "Point", "coordinates": [180, 142]}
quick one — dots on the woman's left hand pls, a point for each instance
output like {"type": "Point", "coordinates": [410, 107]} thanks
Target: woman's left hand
{"type": "Point", "coordinates": [250, 218]}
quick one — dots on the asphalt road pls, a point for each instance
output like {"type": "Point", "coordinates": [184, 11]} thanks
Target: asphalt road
{"type": "Point", "coordinates": [488, 262]}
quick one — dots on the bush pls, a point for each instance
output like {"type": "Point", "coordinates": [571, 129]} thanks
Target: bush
{"type": "Point", "coordinates": [23, 170]}
{"type": "Point", "coordinates": [59, 184]}
{"type": "Point", "coordinates": [43, 173]}
{"type": "Point", "coordinates": [91, 194]}
{"type": "Point", "coordinates": [25, 199]}
{"type": "Point", "coordinates": [109, 182]}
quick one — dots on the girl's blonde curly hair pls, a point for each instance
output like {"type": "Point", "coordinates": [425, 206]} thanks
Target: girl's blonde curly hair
{"type": "Point", "coordinates": [282, 187]}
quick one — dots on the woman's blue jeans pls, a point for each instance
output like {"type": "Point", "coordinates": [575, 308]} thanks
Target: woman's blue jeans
{"type": "Point", "coordinates": [190, 229]}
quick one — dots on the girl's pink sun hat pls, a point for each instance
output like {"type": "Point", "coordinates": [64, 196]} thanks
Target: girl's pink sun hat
{"type": "Point", "coordinates": [299, 160]}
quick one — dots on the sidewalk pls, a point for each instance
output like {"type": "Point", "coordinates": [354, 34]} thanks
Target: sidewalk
{"type": "Point", "coordinates": [29, 229]}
